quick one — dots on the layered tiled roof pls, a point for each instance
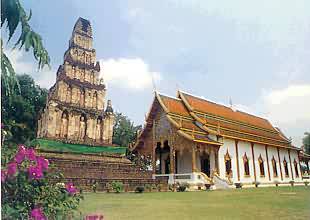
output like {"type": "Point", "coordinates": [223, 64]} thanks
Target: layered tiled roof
{"type": "Point", "coordinates": [195, 118]}
{"type": "Point", "coordinates": [226, 121]}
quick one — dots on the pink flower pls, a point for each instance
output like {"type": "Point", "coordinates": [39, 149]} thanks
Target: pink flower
{"type": "Point", "coordinates": [3, 175]}
{"type": "Point", "coordinates": [42, 163]}
{"type": "Point", "coordinates": [30, 154]}
{"type": "Point", "coordinates": [71, 188]}
{"type": "Point", "coordinates": [21, 154]}
{"type": "Point", "coordinates": [37, 214]}
{"type": "Point", "coordinates": [12, 167]}
{"type": "Point", "coordinates": [35, 172]}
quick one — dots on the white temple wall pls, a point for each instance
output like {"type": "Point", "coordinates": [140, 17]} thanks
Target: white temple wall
{"type": "Point", "coordinates": [273, 153]}
{"type": "Point", "coordinates": [260, 151]}
{"type": "Point", "coordinates": [294, 156]}
{"type": "Point", "coordinates": [244, 148]}
{"type": "Point", "coordinates": [229, 144]}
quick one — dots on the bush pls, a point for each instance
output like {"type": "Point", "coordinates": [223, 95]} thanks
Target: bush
{"type": "Point", "coordinates": [153, 187]}
{"type": "Point", "coordinates": [172, 187]}
{"type": "Point", "coordinates": [256, 183]}
{"type": "Point", "coordinates": [139, 189]}
{"type": "Point", "coordinates": [28, 192]}
{"type": "Point", "coordinates": [159, 187]}
{"type": "Point", "coordinates": [117, 186]}
{"type": "Point", "coordinates": [208, 186]}
{"type": "Point", "coordinates": [292, 182]}
{"type": "Point", "coordinates": [238, 185]}
{"type": "Point", "coordinates": [200, 185]}
{"type": "Point", "coordinates": [182, 187]}
{"type": "Point", "coordinates": [148, 187]}
{"type": "Point", "coordinates": [94, 186]}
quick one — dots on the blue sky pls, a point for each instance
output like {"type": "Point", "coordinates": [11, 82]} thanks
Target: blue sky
{"type": "Point", "coordinates": [254, 52]}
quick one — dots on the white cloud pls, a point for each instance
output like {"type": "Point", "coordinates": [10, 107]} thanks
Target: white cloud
{"type": "Point", "coordinates": [45, 77]}
{"type": "Point", "coordinates": [286, 108]}
{"type": "Point", "coordinates": [288, 105]}
{"type": "Point", "coordinates": [127, 73]}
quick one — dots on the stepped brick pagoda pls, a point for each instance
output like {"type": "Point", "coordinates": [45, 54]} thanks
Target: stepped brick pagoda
{"type": "Point", "coordinates": [75, 129]}
{"type": "Point", "coordinates": [75, 110]}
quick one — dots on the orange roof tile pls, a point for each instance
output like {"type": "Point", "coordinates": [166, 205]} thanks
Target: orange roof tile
{"type": "Point", "coordinates": [174, 105]}
{"type": "Point", "coordinates": [206, 106]}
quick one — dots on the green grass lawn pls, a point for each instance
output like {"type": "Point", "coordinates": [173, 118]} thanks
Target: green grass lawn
{"type": "Point", "coordinates": [254, 203]}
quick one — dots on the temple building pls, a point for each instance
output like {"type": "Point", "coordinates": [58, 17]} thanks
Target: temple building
{"type": "Point", "coordinates": [75, 110]}
{"type": "Point", "coordinates": [193, 140]}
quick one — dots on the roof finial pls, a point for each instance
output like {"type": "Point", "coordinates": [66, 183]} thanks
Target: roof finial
{"type": "Point", "coordinates": [230, 103]}
{"type": "Point", "coordinates": [153, 83]}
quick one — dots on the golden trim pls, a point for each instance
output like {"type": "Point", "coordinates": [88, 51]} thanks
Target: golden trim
{"type": "Point", "coordinates": [241, 132]}
{"type": "Point", "coordinates": [172, 121]}
{"type": "Point", "coordinates": [258, 142]}
{"type": "Point", "coordinates": [221, 118]}
{"type": "Point", "coordinates": [207, 142]}
{"type": "Point", "coordinates": [255, 135]}
{"type": "Point", "coordinates": [161, 102]}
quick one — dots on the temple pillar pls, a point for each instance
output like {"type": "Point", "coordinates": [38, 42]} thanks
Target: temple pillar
{"type": "Point", "coordinates": [289, 157]}
{"type": "Point", "coordinates": [153, 158]}
{"type": "Point", "coordinates": [253, 159]}
{"type": "Point", "coordinates": [268, 168]}
{"type": "Point", "coordinates": [194, 167]}
{"type": "Point", "coordinates": [237, 159]}
{"type": "Point", "coordinates": [153, 149]}
{"type": "Point", "coordinates": [280, 163]}
{"type": "Point", "coordinates": [216, 154]}
{"type": "Point", "coordinates": [172, 160]}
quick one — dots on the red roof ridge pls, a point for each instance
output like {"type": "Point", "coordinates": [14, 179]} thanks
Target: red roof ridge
{"type": "Point", "coordinates": [225, 106]}
{"type": "Point", "coordinates": [168, 96]}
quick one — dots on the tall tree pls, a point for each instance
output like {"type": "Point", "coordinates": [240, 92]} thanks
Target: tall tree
{"type": "Point", "coordinates": [306, 142]}
{"type": "Point", "coordinates": [124, 134]}
{"type": "Point", "coordinates": [125, 131]}
{"type": "Point", "coordinates": [14, 15]}
{"type": "Point", "coordinates": [21, 113]}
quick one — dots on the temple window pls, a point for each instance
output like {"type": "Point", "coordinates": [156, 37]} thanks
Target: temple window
{"type": "Point", "coordinates": [261, 166]}
{"type": "Point", "coordinates": [285, 168]}
{"type": "Point", "coordinates": [246, 165]}
{"type": "Point", "coordinates": [296, 168]}
{"type": "Point", "coordinates": [274, 167]}
{"type": "Point", "coordinates": [227, 160]}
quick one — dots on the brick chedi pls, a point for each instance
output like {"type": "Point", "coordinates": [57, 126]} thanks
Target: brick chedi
{"type": "Point", "coordinates": [75, 111]}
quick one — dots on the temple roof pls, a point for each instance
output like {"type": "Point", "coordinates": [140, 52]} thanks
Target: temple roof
{"type": "Point", "coordinates": [195, 118]}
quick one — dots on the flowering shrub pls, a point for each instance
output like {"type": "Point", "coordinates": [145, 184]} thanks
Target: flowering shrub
{"type": "Point", "coordinates": [27, 190]}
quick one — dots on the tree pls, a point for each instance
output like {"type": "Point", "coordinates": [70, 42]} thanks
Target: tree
{"type": "Point", "coordinates": [13, 15]}
{"type": "Point", "coordinates": [124, 132]}
{"type": "Point", "coordinates": [20, 114]}
{"type": "Point", "coordinates": [306, 142]}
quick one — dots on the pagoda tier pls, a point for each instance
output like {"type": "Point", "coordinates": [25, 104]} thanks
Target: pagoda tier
{"type": "Point", "coordinates": [75, 110]}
